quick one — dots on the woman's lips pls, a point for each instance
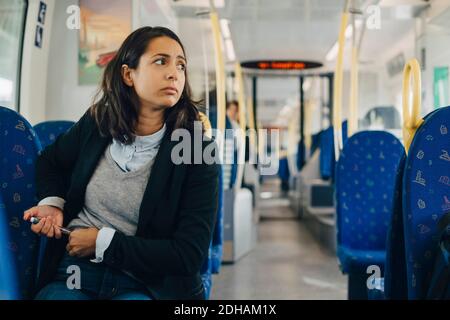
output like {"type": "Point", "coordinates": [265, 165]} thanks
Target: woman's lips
{"type": "Point", "coordinates": [170, 90]}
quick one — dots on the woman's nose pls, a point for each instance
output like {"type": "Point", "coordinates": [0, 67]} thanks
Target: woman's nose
{"type": "Point", "coordinates": [172, 73]}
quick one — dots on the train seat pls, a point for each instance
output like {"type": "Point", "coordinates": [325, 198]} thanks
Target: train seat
{"type": "Point", "coordinates": [217, 240]}
{"type": "Point", "coordinates": [19, 147]}
{"type": "Point", "coordinates": [365, 180]}
{"type": "Point", "coordinates": [48, 131]}
{"type": "Point", "coordinates": [426, 197]}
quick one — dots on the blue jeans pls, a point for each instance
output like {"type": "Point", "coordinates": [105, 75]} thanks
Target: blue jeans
{"type": "Point", "coordinates": [98, 282]}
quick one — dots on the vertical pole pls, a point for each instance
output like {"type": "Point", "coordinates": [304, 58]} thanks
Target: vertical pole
{"type": "Point", "coordinates": [330, 96]}
{"type": "Point", "coordinates": [255, 100]}
{"type": "Point", "coordinates": [302, 123]}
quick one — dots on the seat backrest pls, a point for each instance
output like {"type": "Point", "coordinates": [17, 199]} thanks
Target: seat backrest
{"type": "Point", "coordinates": [217, 240]}
{"type": "Point", "coordinates": [315, 142]}
{"type": "Point", "coordinates": [8, 274]}
{"type": "Point", "coordinates": [327, 157]}
{"type": "Point", "coordinates": [230, 165]}
{"type": "Point", "coordinates": [426, 197]}
{"type": "Point", "coordinates": [206, 274]}
{"type": "Point", "coordinates": [365, 179]}
{"type": "Point", "coordinates": [48, 131]}
{"type": "Point", "coordinates": [395, 282]}
{"type": "Point", "coordinates": [283, 169]}
{"type": "Point", "coordinates": [19, 148]}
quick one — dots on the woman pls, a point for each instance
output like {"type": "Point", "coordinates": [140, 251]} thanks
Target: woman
{"type": "Point", "coordinates": [140, 224]}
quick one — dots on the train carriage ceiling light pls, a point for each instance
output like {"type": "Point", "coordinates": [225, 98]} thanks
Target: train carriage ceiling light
{"type": "Point", "coordinates": [331, 55]}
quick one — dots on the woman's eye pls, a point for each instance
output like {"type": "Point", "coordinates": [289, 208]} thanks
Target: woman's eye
{"type": "Point", "coordinates": [181, 67]}
{"type": "Point", "coordinates": [160, 61]}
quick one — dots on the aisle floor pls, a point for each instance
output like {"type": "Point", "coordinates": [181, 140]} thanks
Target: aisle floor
{"type": "Point", "coordinates": [286, 263]}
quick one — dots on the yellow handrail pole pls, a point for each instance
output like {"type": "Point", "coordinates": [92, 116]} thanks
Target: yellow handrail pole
{"type": "Point", "coordinates": [353, 110]}
{"type": "Point", "coordinates": [338, 79]}
{"type": "Point", "coordinates": [293, 138]}
{"type": "Point", "coordinates": [411, 121]}
{"type": "Point", "coordinates": [241, 96]}
{"type": "Point", "coordinates": [220, 77]}
{"type": "Point", "coordinates": [307, 131]}
{"type": "Point", "coordinates": [253, 147]}
{"type": "Point", "coordinates": [242, 123]}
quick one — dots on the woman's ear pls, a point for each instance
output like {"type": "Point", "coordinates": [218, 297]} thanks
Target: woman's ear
{"type": "Point", "coordinates": [126, 75]}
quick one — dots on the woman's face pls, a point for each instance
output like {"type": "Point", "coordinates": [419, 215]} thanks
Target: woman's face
{"type": "Point", "coordinates": [160, 76]}
{"type": "Point", "coordinates": [232, 111]}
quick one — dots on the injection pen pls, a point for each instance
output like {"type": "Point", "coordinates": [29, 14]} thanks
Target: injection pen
{"type": "Point", "coordinates": [35, 220]}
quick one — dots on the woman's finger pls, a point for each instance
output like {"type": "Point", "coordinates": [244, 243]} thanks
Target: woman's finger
{"type": "Point", "coordinates": [51, 231]}
{"type": "Point", "coordinates": [59, 220]}
{"type": "Point", "coordinates": [48, 224]}
{"type": "Point", "coordinates": [72, 253]}
{"type": "Point", "coordinates": [57, 232]}
{"type": "Point", "coordinates": [30, 213]}
{"type": "Point", "coordinates": [37, 228]}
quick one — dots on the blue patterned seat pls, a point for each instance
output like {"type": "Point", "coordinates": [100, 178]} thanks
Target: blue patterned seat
{"type": "Point", "coordinates": [365, 179]}
{"type": "Point", "coordinates": [315, 142]}
{"type": "Point", "coordinates": [217, 241]}
{"type": "Point", "coordinates": [206, 274]}
{"type": "Point", "coordinates": [8, 286]}
{"type": "Point", "coordinates": [395, 267]}
{"type": "Point", "coordinates": [327, 157]}
{"type": "Point", "coordinates": [426, 197]}
{"type": "Point", "coordinates": [48, 131]}
{"type": "Point", "coordinates": [229, 165]}
{"type": "Point", "coordinates": [213, 263]}
{"type": "Point", "coordinates": [283, 170]}
{"type": "Point", "coordinates": [227, 180]}
{"type": "Point", "coordinates": [393, 285]}
{"type": "Point", "coordinates": [19, 148]}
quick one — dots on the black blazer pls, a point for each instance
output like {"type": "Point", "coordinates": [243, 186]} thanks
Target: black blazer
{"type": "Point", "coordinates": [176, 216]}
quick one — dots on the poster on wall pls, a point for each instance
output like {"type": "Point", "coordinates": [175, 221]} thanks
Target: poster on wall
{"type": "Point", "coordinates": [104, 26]}
{"type": "Point", "coordinates": [440, 87]}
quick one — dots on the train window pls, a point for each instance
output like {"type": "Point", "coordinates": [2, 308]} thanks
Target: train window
{"type": "Point", "coordinates": [12, 23]}
{"type": "Point", "coordinates": [380, 118]}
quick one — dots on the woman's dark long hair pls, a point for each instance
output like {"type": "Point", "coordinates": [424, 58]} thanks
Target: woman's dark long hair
{"type": "Point", "coordinates": [116, 111]}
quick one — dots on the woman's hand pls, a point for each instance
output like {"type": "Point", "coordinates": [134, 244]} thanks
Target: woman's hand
{"type": "Point", "coordinates": [51, 218]}
{"type": "Point", "coordinates": [82, 242]}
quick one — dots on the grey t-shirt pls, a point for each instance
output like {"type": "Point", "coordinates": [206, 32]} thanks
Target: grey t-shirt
{"type": "Point", "coordinates": [113, 197]}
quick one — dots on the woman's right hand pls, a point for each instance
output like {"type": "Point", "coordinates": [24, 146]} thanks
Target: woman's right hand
{"type": "Point", "coordinates": [51, 218]}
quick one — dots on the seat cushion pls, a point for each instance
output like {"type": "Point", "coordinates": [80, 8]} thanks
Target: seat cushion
{"type": "Point", "coordinates": [378, 292]}
{"type": "Point", "coordinates": [357, 261]}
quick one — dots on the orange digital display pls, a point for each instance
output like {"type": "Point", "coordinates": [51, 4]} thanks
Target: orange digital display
{"type": "Point", "coordinates": [281, 64]}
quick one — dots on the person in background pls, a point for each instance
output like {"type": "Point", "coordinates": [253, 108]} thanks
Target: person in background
{"type": "Point", "coordinates": [233, 113]}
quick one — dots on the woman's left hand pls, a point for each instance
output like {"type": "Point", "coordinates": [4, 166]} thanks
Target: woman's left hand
{"type": "Point", "coordinates": [82, 242]}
